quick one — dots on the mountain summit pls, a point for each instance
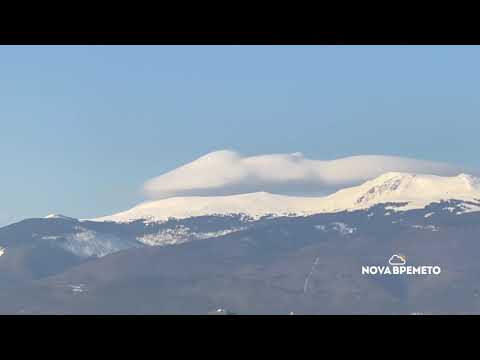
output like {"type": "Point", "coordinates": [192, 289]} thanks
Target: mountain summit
{"type": "Point", "coordinates": [59, 216]}
{"type": "Point", "coordinates": [415, 190]}
{"type": "Point", "coordinates": [410, 191]}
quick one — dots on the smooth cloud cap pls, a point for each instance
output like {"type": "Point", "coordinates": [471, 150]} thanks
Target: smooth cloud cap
{"type": "Point", "coordinates": [227, 172]}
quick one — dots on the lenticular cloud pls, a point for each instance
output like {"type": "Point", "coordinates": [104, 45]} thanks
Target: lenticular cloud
{"type": "Point", "coordinates": [227, 172]}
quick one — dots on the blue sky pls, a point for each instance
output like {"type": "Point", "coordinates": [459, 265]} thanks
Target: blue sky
{"type": "Point", "coordinates": [82, 127]}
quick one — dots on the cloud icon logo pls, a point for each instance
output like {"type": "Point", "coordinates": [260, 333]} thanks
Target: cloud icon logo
{"type": "Point", "coordinates": [397, 260]}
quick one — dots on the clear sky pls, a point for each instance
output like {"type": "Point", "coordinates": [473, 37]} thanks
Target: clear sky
{"type": "Point", "coordinates": [82, 127]}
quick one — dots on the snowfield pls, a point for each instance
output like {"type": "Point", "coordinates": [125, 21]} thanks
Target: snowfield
{"type": "Point", "coordinates": [411, 191]}
{"type": "Point", "coordinates": [180, 234]}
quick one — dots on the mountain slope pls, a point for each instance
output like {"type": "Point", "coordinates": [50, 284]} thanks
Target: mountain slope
{"type": "Point", "coordinates": [308, 264]}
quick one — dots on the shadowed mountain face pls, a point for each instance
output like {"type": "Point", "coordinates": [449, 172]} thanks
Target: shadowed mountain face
{"type": "Point", "coordinates": [308, 264]}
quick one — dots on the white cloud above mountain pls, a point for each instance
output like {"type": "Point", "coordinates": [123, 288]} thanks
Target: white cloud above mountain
{"type": "Point", "coordinates": [227, 172]}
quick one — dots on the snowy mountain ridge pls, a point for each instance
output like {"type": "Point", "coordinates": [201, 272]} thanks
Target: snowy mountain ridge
{"type": "Point", "coordinates": [411, 191]}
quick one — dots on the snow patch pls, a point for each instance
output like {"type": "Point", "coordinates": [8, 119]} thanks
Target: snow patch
{"type": "Point", "coordinates": [59, 216]}
{"type": "Point", "coordinates": [88, 243]}
{"type": "Point", "coordinates": [181, 234]}
{"type": "Point", "coordinates": [343, 228]}
{"type": "Point", "coordinates": [51, 237]}
{"type": "Point", "coordinates": [307, 279]}
{"type": "Point", "coordinates": [77, 289]}
{"type": "Point", "coordinates": [340, 227]}
{"type": "Point", "coordinates": [468, 207]}
{"type": "Point", "coordinates": [425, 227]}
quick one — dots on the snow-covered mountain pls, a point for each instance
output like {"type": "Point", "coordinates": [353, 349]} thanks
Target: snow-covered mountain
{"type": "Point", "coordinates": [410, 191]}
{"type": "Point", "coordinates": [58, 216]}
{"type": "Point", "coordinates": [193, 254]}
{"type": "Point", "coordinates": [179, 220]}
{"type": "Point", "coordinates": [413, 191]}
